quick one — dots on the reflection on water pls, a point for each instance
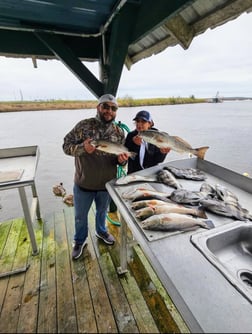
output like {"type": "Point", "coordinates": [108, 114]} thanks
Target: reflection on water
{"type": "Point", "coordinates": [224, 127]}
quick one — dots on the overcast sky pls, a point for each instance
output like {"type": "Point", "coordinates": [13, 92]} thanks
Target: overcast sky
{"type": "Point", "coordinates": [218, 60]}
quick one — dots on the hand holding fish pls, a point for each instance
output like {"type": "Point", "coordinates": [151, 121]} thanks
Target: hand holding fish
{"type": "Point", "coordinates": [122, 158]}
{"type": "Point", "coordinates": [88, 147]}
{"type": "Point", "coordinates": [165, 150]}
{"type": "Point", "coordinates": [137, 140]}
{"type": "Point", "coordinates": [113, 148]}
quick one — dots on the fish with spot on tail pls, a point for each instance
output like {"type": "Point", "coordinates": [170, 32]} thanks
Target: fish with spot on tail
{"type": "Point", "coordinates": [175, 222]}
{"type": "Point", "coordinates": [163, 139]}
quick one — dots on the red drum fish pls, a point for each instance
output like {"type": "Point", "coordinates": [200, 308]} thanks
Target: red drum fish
{"type": "Point", "coordinates": [175, 222]}
{"type": "Point", "coordinates": [145, 203]}
{"type": "Point", "coordinates": [163, 139]}
{"type": "Point", "coordinates": [169, 208]}
{"type": "Point", "coordinates": [144, 193]}
{"type": "Point", "coordinates": [111, 148]}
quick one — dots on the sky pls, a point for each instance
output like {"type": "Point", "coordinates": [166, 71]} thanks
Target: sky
{"type": "Point", "coordinates": [219, 60]}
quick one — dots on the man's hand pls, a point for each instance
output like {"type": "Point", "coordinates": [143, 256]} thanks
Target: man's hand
{"type": "Point", "coordinates": [88, 147]}
{"type": "Point", "coordinates": [122, 158]}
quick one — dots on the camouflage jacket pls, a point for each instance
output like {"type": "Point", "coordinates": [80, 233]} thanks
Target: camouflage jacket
{"type": "Point", "coordinates": [92, 171]}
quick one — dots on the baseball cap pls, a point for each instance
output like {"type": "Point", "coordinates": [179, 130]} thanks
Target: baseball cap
{"type": "Point", "coordinates": [144, 115]}
{"type": "Point", "coordinates": [107, 98]}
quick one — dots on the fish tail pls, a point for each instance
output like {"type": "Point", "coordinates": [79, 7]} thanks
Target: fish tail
{"type": "Point", "coordinates": [132, 154]}
{"type": "Point", "coordinates": [201, 212]}
{"type": "Point", "coordinates": [201, 151]}
{"type": "Point", "coordinates": [209, 224]}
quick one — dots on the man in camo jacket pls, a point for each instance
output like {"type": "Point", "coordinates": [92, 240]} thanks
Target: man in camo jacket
{"type": "Point", "coordinates": [93, 169]}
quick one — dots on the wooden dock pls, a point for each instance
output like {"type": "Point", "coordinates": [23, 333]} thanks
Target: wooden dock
{"type": "Point", "coordinates": [51, 293]}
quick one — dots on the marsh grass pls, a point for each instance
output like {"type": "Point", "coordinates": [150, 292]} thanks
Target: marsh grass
{"type": "Point", "coordinates": [9, 106]}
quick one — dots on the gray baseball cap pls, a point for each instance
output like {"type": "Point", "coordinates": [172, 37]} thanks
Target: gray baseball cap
{"type": "Point", "coordinates": [107, 98]}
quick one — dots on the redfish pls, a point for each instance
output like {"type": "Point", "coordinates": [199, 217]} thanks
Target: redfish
{"type": "Point", "coordinates": [112, 148]}
{"type": "Point", "coordinates": [175, 222]}
{"type": "Point", "coordinates": [163, 139]}
{"type": "Point", "coordinates": [169, 208]}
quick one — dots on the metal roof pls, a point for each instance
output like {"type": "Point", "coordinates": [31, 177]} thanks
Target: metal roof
{"type": "Point", "coordinates": [112, 32]}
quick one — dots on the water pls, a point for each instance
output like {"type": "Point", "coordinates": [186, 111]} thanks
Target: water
{"type": "Point", "coordinates": [225, 127]}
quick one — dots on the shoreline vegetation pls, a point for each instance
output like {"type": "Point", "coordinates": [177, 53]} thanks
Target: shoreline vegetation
{"type": "Point", "coordinates": [13, 106]}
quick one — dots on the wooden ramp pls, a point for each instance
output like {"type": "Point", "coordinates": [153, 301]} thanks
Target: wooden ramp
{"type": "Point", "coordinates": [50, 293]}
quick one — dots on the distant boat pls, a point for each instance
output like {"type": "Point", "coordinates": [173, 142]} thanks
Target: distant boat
{"type": "Point", "coordinates": [217, 98]}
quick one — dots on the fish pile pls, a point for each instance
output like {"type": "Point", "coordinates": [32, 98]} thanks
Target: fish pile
{"type": "Point", "coordinates": [180, 209]}
{"type": "Point", "coordinates": [163, 139]}
{"type": "Point", "coordinates": [223, 202]}
{"type": "Point", "coordinates": [157, 212]}
{"type": "Point", "coordinates": [217, 199]}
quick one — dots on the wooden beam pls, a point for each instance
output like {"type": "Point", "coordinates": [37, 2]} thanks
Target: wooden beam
{"type": "Point", "coordinates": [68, 58]}
{"type": "Point", "coordinates": [153, 13]}
{"type": "Point", "coordinates": [181, 31]}
{"type": "Point", "coordinates": [120, 37]}
{"type": "Point", "coordinates": [224, 14]}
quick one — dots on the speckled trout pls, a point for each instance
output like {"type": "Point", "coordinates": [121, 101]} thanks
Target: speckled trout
{"type": "Point", "coordinates": [163, 139]}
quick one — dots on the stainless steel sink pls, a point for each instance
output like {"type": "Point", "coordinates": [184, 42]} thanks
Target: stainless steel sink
{"type": "Point", "coordinates": [229, 249]}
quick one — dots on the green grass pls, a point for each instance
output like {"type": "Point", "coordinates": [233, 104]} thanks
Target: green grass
{"type": "Point", "coordinates": [8, 106]}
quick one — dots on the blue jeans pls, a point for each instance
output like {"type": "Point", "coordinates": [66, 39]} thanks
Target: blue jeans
{"type": "Point", "coordinates": [82, 203]}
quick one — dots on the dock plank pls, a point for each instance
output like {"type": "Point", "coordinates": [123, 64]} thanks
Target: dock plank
{"type": "Point", "coordinates": [126, 298]}
{"type": "Point", "coordinates": [83, 301]}
{"type": "Point", "coordinates": [65, 302]}
{"type": "Point", "coordinates": [27, 322]}
{"type": "Point", "coordinates": [47, 316]}
{"type": "Point", "coordinates": [102, 305]}
{"type": "Point", "coordinates": [13, 283]}
{"type": "Point", "coordinates": [167, 317]}
{"type": "Point", "coordinates": [56, 294]}
{"type": "Point", "coordinates": [4, 231]}
{"type": "Point", "coordinates": [121, 309]}
{"type": "Point", "coordinates": [7, 260]}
